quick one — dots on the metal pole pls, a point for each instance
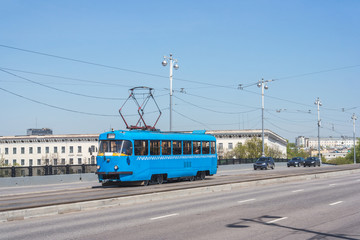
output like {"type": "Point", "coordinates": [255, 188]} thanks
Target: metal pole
{"type": "Point", "coordinates": [171, 91]}
{"type": "Point", "coordinates": [354, 119]}
{"type": "Point", "coordinates": [262, 114]}
{"type": "Point", "coordinates": [318, 103]}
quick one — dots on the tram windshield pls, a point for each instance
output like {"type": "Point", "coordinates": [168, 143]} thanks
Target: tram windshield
{"type": "Point", "coordinates": [124, 147]}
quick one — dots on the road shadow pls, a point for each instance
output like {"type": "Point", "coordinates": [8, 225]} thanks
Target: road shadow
{"type": "Point", "coordinates": [263, 220]}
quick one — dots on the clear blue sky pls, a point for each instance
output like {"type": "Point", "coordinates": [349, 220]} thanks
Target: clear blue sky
{"type": "Point", "coordinates": [311, 49]}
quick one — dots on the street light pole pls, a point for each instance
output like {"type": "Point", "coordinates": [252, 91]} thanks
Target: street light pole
{"type": "Point", "coordinates": [263, 85]}
{"type": "Point", "coordinates": [354, 119]}
{"type": "Point", "coordinates": [318, 103]}
{"type": "Point", "coordinates": [175, 66]}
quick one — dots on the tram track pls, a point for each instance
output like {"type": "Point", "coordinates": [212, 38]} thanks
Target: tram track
{"type": "Point", "coordinates": [71, 196]}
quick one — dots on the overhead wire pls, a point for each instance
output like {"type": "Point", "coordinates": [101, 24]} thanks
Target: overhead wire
{"type": "Point", "coordinates": [60, 90]}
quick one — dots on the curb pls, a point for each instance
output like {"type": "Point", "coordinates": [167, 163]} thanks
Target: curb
{"type": "Point", "coordinates": [132, 200]}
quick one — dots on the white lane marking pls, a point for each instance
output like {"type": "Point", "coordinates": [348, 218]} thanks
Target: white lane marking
{"type": "Point", "coordinates": [248, 200]}
{"type": "Point", "coordinates": [334, 184]}
{"type": "Point", "coordinates": [276, 220]}
{"type": "Point", "coordinates": [357, 180]}
{"type": "Point", "coordinates": [299, 190]}
{"type": "Point", "coordinates": [165, 216]}
{"type": "Point", "coordinates": [332, 204]}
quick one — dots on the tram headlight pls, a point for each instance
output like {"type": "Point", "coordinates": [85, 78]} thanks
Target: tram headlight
{"type": "Point", "coordinates": [116, 167]}
{"type": "Point", "coordinates": [98, 167]}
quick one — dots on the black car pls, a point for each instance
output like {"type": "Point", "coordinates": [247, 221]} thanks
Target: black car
{"type": "Point", "coordinates": [312, 161]}
{"type": "Point", "coordinates": [264, 163]}
{"type": "Point", "coordinates": [296, 162]}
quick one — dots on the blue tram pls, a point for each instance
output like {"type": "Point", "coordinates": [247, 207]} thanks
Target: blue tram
{"type": "Point", "coordinates": [154, 157]}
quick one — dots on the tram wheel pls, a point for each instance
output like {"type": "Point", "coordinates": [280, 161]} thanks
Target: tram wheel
{"type": "Point", "coordinates": [192, 178]}
{"type": "Point", "coordinates": [146, 182]}
{"type": "Point", "coordinates": [202, 175]}
{"type": "Point", "coordinates": [159, 179]}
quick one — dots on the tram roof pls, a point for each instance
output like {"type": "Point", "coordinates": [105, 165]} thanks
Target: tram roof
{"type": "Point", "coordinates": [156, 135]}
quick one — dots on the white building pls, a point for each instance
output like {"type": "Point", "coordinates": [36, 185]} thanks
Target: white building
{"type": "Point", "coordinates": [228, 139]}
{"type": "Point", "coordinates": [328, 143]}
{"type": "Point", "coordinates": [35, 150]}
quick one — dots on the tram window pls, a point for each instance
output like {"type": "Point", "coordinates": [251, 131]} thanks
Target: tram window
{"type": "Point", "coordinates": [126, 148]}
{"type": "Point", "coordinates": [177, 148]}
{"type": "Point", "coordinates": [197, 147]}
{"type": "Point", "coordinates": [212, 146]}
{"type": "Point", "coordinates": [166, 147]}
{"type": "Point", "coordinates": [155, 147]}
{"type": "Point", "coordinates": [116, 146]}
{"type": "Point", "coordinates": [141, 147]}
{"type": "Point", "coordinates": [205, 147]}
{"type": "Point", "coordinates": [187, 147]}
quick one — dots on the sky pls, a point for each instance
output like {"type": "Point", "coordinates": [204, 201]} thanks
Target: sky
{"type": "Point", "coordinates": [69, 65]}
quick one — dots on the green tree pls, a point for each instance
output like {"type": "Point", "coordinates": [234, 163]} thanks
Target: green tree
{"type": "Point", "coordinates": [350, 156]}
{"type": "Point", "coordinates": [252, 148]}
{"type": "Point", "coordinates": [293, 151]}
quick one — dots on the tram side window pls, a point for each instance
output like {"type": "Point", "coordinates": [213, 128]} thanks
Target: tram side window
{"type": "Point", "coordinates": [141, 147]}
{"type": "Point", "coordinates": [155, 147]}
{"type": "Point", "coordinates": [104, 146]}
{"type": "Point", "coordinates": [187, 147]}
{"type": "Point", "coordinates": [177, 149]}
{"type": "Point", "coordinates": [205, 147]}
{"type": "Point", "coordinates": [212, 146]}
{"type": "Point", "coordinates": [197, 147]}
{"type": "Point", "coordinates": [166, 147]}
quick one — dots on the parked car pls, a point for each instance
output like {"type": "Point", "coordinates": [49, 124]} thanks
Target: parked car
{"type": "Point", "coordinates": [312, 161]}
{"type": "Point", "coordinates": [264, 163]}
{"type": "Point", "coordinates": [296, 162]}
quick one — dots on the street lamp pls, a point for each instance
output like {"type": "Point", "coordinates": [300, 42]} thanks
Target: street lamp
{"type": "Point", "coordinates": [318, 103]}
{"type": "Point", "coordinates": [175, 66]}
{"type": "Point", "coordinates": [263, 85]}
{"type": "Point", "coordinates": [354, 118]}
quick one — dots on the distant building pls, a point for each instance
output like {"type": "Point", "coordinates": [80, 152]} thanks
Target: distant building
{"type": "Point", "coordinates": [35, 150]}
{"type": "Point", "coordinates": [328, 143]}
{"type": "Point", "coordinates": [228, 139]}
{"type": "Point", "coordinates": [39, 131]}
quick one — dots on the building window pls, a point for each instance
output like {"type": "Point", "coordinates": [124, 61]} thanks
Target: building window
{"type": "Point", "coordinates": [55, 149]}
{"type": "Point", "coordinates": [39, 162]}
{"type": "Point", "coordinates": [6, 162]}
{"type": "Point", "coordinates": [6, 150]}
{"type": "Point", "coordinates": [39, 150]}
{"type": "Point", "coordinates": [22, 150]}
{"type": "Point", "coordinates": [221, 146]}
{"type": "Point", "coordinates": [63, 161]}
{"type": "Point", "coordinates": [14, 150]}
{"type": "Point", "coordinates": [14, 162]}
{"type": "Point", "coordinates": [47, 162]}
{"type": "Point", "coordinates": [79, 149]}
{"type": "Point", "coordinates": [79, 161]}
{"type": "Point", "coordinates": [230, 146]}
{"type": "Point", "coordinates": [71, 149]}
{"type": "Point", "coordinates": [92, 159]}
{"type": "Point", "coordinates": [30, 150]}
{"type": "Point", "coordinates": [71, 161]}
{"type": "Point", "coordinates": [47, 150]}
{"type": "Point", "coordinates": [62, 149]}
{"type": "Point", "coordinates": [30, 162]}
{"type": "Point", "coordinates": [55, 162]}
{"type": "Point", "coordinates": [22, 162]}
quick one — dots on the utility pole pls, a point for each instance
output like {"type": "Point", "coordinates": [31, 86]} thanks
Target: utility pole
{"type": "Point", "coordinates": [354, 119]}
{"type": "Point", "coordinates": [175, 66]}
{"type": "Point", "coordinates": [318, 103]}
{"type": "Point", "coordinates": [263, 84]}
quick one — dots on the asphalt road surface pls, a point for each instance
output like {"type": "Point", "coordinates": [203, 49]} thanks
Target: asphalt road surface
{"type": "Point", "coordinates": [312, 209]}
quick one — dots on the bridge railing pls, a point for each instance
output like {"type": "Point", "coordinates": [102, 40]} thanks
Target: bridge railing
{"type": "Point", "coordinates": [245, 160]}
{"type": "Point", "coordinates": [19, 171]}
{"type": "Point", "coordinates": [46, 170]}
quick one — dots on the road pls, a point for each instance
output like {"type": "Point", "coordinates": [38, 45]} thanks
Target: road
{"type": "Point", "coordinates": [312, 209]}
